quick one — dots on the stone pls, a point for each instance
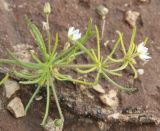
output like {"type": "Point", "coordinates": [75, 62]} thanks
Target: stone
{"type": "Point", "coordinates": [140, 71]}
{"type": "Point", "coordinates": [82, 87]}
{"type": "Point", "coordinates": [106, 43]}
{"type": "Point", "coordinates": [101, 125]}
{"type": "Point", "coordinates": [16, 107]}
{"type": "Point", "coordinates": [131, 17]}
{"type": "Point", "coordinates": [98, 88]}
{"type": "Point", "coordinates": [38, 98]}
{"type": "Point", "coordinates": [10, 87]}
{"type": "Point", "coordinates": [110, 99]}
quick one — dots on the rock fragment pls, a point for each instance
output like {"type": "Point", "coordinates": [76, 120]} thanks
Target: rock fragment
{"type": "Point", "coordinates": [38, 98]}
{"type": "Point", "coordinates": [131, 17]}
{"type": "Point", "coordinates": [98, 88]}
{"type": "Point", "coordinates": [110, 99]}
{"type": "Point", "coordinates": [10, 87]}
{"type": "Point", "coordinates": [16, 107]}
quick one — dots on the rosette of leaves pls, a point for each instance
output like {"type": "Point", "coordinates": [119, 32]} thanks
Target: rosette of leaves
{"type": "Point", "coordinates": [103, 64]}
{"type": "Point", "coordinates": [44, 70]}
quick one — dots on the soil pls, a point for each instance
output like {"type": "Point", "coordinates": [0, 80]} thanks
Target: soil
{"type": "Point", "coordinates": [82, 108]}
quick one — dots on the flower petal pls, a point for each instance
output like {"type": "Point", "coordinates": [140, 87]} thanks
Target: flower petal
{"type": "Point", "coordinates": [70, 32]}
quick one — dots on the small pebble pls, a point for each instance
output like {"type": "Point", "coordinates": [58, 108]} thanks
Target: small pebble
{"type": "Point", "coordinates": [106, 43]}
{"type": "Point", "coordinates": [99, 88]}
{"type": "Point", "coordinates": [113, 41]}
{"type": "Point", "coordinates": [131, 17]}
{"type": "Point", "coordinates": [10, 87]}
{"type": "Point", "coordinates": [16, 107]}
{"type": "Point", "coordinates": [82, 87]}
{"type": "Point", "coordinates": [140, 71]}
{"type": "Point", "coordinates": [38, 98]}
{"type": "Point", "coordinates": [110, 99]}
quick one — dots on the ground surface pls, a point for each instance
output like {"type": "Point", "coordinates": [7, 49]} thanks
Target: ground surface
{"type": "Point", "coordinates": [15, 36]}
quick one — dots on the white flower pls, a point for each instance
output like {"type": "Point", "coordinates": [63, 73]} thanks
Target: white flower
{"type": "Point", "coordinates": [140, 71]}
{"type": "Point", "coordinates": [74, 34]}
{"type": "Point", "coordinates": [143, 52]}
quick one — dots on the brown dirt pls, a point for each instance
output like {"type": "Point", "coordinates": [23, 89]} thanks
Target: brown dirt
{"type": "Point", "coordinates": [66, 13]}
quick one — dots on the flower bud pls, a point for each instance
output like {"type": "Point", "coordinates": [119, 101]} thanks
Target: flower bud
{"type": "Point", "coordinates": [47, 8]}
{"type": "Point", "coordinates": [102, 11]}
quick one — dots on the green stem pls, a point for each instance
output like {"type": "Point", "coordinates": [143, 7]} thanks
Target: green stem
{"type": "Point", "coordinates": [48, 35]}
{"type": "Point", "coordinates": [4, 79]}
{"type": "Point", "coordinates": [134, 70]}
{"type": "Point", "coordinates": [98, 44]}
{"type": "Point", "coordinates": [83, 82]}
{"type": "Point", "coordinates": [117, 85]}
{"type": "Point", "coordinates": [121, 67]}
{"type": "Point", "coordinates": [114, 48]}
{"type": "Point", "coordinates": [115, 60]}
{"type": "Point", "coordinates": [47, 104]}
{"type": "Point", "coordinates": [86, 71]}
{"type": "Point", "coordinates": [31, 99]}
{"type": "Point", "coordinates": [75, 66]}
{"type": "Point", "coordinates": [83, 48]}
{"type": "Point", "coordinates": [49, 42]}
{"type": "Point", "coordinates": [56, 99]}
{"type": "Point", "coordinates": [98, 76]}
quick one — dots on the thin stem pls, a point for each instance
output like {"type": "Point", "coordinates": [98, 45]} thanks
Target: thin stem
{"type": "Point", "coordinates": [114, 48]}
{"type": "Point", "coordinates": [122, 43]}
{"type": "Point", "coordinates": [113, 73]}
{"type": "Point", "coordinates": [47, 104]}
{"type": "Point", "coordinates": [49, 42]}
{"type": "Point", "coordinates": [121, 67]}
{"type": "Point", "coordinates": [56, 99]}
{"type": "Point", "coordinates": [67, 78]}
{"type": "Point", "coordinates": [31, 99]}
{"type": "Point", "coordinates": [86, 71]}
{"type": "Point", "coordinates": [83, 48]}
{"type": "Point", "coordinates": [135, 71]}
{"type": "Point", "coordinates": [115, 60]}
{"type": "Point", "coordinates": [75, 66]}
{"type": "Point", "coordinates": [94, 54]}
{"type": "Point", "coordinates": [97, 77]}
{"type": "Point", "coordinates": [35, 57]}
{"type": "Point", "coordinates": [117, 85]}
{"type": "Point", "coordinates": [83, 82]}
{"type": "Point", "coordinates": [55, 45]}
{"type": "Point", "coordinates": [103, 27]}
{"type": "Point", "coordinates": [4, 79]}
{"type": "Point", "coordinates": [132, 45]}
{"type": "Point", "coordinates": [98, 43]}
{"type": "Point", "coordinates": [48, 35]}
